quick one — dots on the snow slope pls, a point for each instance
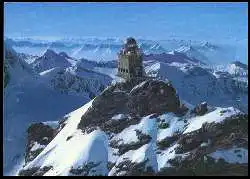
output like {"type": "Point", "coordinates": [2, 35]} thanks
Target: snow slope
{"type": "Point", "coordinates": [27, 99]}
{"type": "Point", "coordinates": [96, 148]}
{"type": "Point", "coordinates": [30, 96]}
{"type": "Point", "coordinates": [78, 153]}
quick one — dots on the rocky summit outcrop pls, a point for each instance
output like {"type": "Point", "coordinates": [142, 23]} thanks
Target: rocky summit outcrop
{"type": "Point", "coordinates": [208, 146]}
{"type": "Point", "coordinates": [141, 127]}
{"type": "Point", "coordinates": [200, 109]}
{"type": "Point", "coordinates": [153, 96]}
{"type": "Point", "coordinates": [39, 135]}
{"type": "Point", "coordinates": [136, 98]}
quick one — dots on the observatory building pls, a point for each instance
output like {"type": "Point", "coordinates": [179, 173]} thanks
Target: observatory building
{"type": "Point", "coordinates": [130, 60]}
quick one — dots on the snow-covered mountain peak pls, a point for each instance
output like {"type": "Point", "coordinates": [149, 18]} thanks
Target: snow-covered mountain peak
{"type": "Point", "coordinates": [141, 128]}
{"type": "Point", "coordinates": [184, 49]}
{"type": "Point", "coordinates": [209, 45]}
{"type": "Point", "coordinates": [173, 56]}
{"type": "Point", "coordinates": [51, 59]}
{"type": "Point", "coordinates": [240, 65]}
{"type": "Point", "coordinates": [64, 54]}
{"type": "Point", "coordinates": [237, 69]}
{"type": "Point", "coordinates": [50, 53]}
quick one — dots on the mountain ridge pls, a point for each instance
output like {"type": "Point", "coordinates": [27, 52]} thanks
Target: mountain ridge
{"type": "Point", "coordinates": [144, 144]}
{"type": "Point", "coordinates": [106, 49]}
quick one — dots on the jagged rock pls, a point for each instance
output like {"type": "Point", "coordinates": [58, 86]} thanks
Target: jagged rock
{"type": "Point", "coordinates": [116, 126]}
{"type": "Point", "coordinates": [167, 142]}
{"type": "Point", "coordinates": [38, 131]}
{"type": "Point", "coordinates": [200, 109]}
{"type": "Point", "coordinates": [38, 134]}
{"type": "Point", "coordinates": [103, 108]}
{"type": "Point", "coordinates": [6, 74]}
{"type": "Point", "coordinates": [182, 110]}
{"type": "Point", "coordinates": [129, 168]}
{"type": "Point", "coordinates": [123, 148]}
{"type": "Point", "coordinates": [232, 131]}
{"type": "Point", "coordinates": [150, 96]}
{"type": "Point", "coordinates": [28, 172]}
{"type": "Point", "coordinates": [129, 84]}
{"type": "Point", "coordinates": [110, 165]}
{"type": "Point", "coordinates": [153, 96]}
{"type": "Point", "coordinates": [201, 167]}
{"type": "Point", "coordinates": [35, 171]}
{"type": "Point", "coordinates": [61, 123]}
{"type": "Point", "coordinates": [42, 171]}
{"type": "Point", "coordinates": [85, 169]}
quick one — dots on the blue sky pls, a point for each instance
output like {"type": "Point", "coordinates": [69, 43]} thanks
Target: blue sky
{"type": "Point", "coordinates": [146, 20]}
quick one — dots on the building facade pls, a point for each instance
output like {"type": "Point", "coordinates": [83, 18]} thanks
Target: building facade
{"type": "Point", "coordinates": [130, 60]}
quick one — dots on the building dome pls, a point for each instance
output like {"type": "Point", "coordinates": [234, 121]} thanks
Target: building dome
{"type": "Point", "coordinates": [130, 40]}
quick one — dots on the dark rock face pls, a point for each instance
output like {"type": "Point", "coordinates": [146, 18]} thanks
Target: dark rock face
{"type": "Point", "coordinates": [115, 126]}
{"type": "Point", "coordinates": [6, 75]}
{"type": "Point", "coordinates": [232, 132]}
{"type": "Point", "coordinates": [182, 110]}
{"type": "Point", "coordinates": [38, 133]}
{"type": "Point", "coordinates": [200, 109]}
{"type": "Point", "coordinates": [201, 167]}
{"type": "Point", "coordinates": [103, 108]}
{"type": "Point", "coordinates": [134, 169]}
{"type": "Point", "coordinates": [153, 97]}
{"type": "Point", "coordinates": [28, 172]}
{"type": "Point", "coordinates": [35, 171]}
{"type": "Point", "coordinates": [123, 148]}
{"type": "Point", "coordinates": [150, 96]}
{"type": "Point", "coordinates": [85, 169]}
{"type": "Point", "coordinates": [61, 125]}
{"type": "Point", "coordinates": [167, 142]}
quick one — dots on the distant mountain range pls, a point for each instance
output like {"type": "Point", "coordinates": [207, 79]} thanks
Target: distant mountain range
{"type": "Point", "coordinates": [106, 49]}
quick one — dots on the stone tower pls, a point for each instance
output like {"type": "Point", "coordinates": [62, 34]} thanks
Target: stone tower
{"type": "Point", "coordinates": [130, 60]}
